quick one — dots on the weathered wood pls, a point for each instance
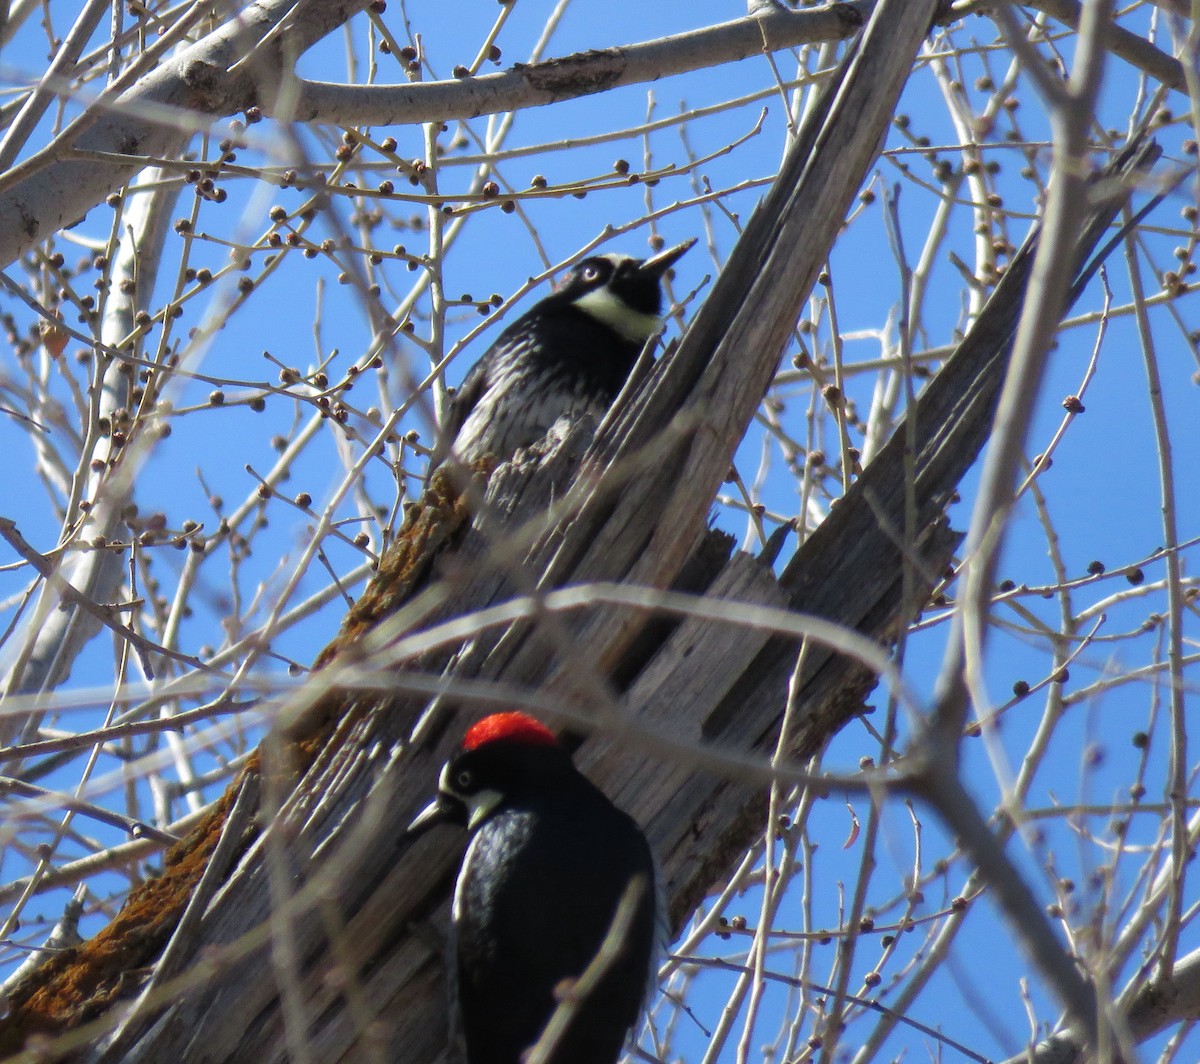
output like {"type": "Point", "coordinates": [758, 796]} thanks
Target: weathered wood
{"type": "Point", "coordinates": [367, 912]}
{"type": "Point", "coordinates": [618, 529]}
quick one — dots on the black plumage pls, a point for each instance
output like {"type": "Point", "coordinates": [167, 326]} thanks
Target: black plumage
{"type": "Point", "coordinates": [550, 862]}
{"type": "Point", "coordinates": [570, 354]}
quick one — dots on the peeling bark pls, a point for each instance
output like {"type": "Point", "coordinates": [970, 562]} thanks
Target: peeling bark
{"type": "Point", "coordinates": [357, 753]}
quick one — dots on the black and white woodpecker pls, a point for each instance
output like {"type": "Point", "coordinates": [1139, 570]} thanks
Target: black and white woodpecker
{"type": "Point", "coordinates": [552, 873]}
{"type": "Point", "coordinates": [570, 354]}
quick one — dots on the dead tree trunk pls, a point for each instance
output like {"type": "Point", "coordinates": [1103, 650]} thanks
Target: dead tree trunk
{"type": "Point", "coordinates": [291, 925]}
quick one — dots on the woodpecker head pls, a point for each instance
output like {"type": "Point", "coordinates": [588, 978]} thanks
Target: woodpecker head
{"type": "Point", "coordinates": [623, 293]}
{"type": "Point", "coordinates": [501, 757]}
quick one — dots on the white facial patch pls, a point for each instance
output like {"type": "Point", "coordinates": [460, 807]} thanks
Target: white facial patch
{"type": "Point", "coordinates": [479, 803]}
{"type": "Point", "coordinates": [605, 306]}
{"type": "Point", "coordinates": [480, 806]}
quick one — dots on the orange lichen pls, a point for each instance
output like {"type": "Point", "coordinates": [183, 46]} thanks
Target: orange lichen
{"type": "Point", "coordinates": [427, 529]}
{"type": "Point", "coordinates": [77, 984]}
{"type": "Point", "coordinates": [80, 983]}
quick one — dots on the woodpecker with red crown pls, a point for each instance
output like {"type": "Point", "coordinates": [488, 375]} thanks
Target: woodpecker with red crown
{"type": "Point", "coordinates": [553, 871]}
{"type": "Point", "coordinates": [571, 353]}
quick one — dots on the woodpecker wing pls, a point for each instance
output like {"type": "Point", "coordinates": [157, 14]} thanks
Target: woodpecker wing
{"type": "Point", "coordinates": [533, 906]}
{"type": "Point", "coordinates": [486, 382]}
{"type": "Point", "coordinates": [466, 396]}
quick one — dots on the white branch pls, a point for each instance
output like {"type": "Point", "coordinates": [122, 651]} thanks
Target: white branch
{"type": "Point", "coordinates": [59, 185]}
{"type": "Point", "coordinates": [583, 74]}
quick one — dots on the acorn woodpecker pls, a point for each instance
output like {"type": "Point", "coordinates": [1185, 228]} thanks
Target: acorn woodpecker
{"type": "Point", "coordinates": [552, 872]}
{"type": "Point", "coordinates": [570, 353]}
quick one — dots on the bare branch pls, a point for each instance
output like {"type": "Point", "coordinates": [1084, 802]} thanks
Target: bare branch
{"type": "Point", "coordinates": [573, 76]}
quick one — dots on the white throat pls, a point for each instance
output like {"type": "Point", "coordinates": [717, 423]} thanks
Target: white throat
{"type": "Point", "coordinates": [627, 323]}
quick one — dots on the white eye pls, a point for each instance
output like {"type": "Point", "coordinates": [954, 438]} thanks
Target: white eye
{"type": "Point", "coordinates": [590, 273]}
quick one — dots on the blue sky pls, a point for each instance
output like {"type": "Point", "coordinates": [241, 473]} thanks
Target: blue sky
{"type": "Point", "coordinates": [1102, 492]}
